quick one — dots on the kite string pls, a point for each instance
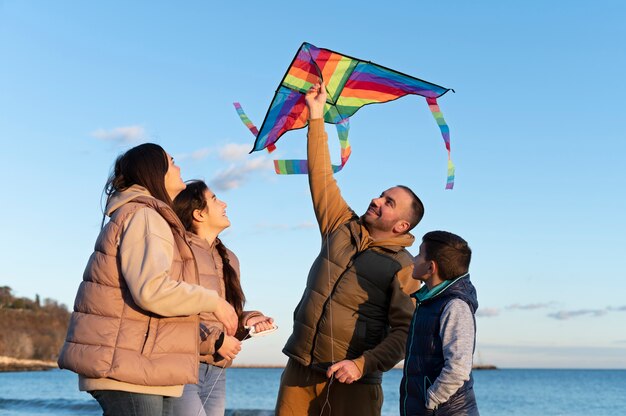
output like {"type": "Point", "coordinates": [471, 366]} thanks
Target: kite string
{"type": "Point", "coordinates": [301, 166]}
{"type": "Point", "coordinates": [222, 369]}
{"type": "Point", "coordinates": [330, 293]}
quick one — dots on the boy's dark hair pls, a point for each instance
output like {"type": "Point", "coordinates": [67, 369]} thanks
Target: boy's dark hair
{"type": "Point", "coordinates": [449, 251]}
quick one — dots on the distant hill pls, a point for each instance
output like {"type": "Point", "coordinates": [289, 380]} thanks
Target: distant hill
{"type": "Point", "coordinates": [31, 329]}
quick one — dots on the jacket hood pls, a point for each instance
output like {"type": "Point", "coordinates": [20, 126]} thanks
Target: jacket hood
{"type": "Point", "coordinates": [465, 290]}
{"type": "Point", "coordinates": [401, 241]}
{"type": "Point", "coordinates": [120, 198]}
{"type": "Point", "coordinates": [393, 244]}
{"type": "Point", "coordinates": [196, 240]}
{"type": "Point", "coordinates": [461, 287]}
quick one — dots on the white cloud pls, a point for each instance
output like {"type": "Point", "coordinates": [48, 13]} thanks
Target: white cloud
{"type": "Point", "coordinates": [530, 306]}
{"type": "Point", "coordinates": [230, 178]}
{"type": "Point", "coordinates": [487, 312]}
{"type": "Point", "coordinates": [233, 152]}
{"type": "Point", "coordinates": [121, 135]}
{"type": "Point", "coordinates": [564, 315]}
{"type": "Point", "coordinates": [236, 175]}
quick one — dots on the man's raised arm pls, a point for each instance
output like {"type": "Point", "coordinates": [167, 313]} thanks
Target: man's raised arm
{"type": "Point", "coordinates": [330, 208]}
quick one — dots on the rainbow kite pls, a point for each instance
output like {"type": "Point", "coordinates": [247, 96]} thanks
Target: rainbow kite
{"type": "Point", "coordinates": [350, 83]}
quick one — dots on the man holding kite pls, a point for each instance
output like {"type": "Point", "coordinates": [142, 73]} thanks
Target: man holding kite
{"type": "Point", "coordinates": [352, 322]}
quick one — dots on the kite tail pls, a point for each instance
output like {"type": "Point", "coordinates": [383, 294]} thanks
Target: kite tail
{"type": "Point", "coordinates": [299, 166]}
{"type": "Point", "coordinates": [445, 133]}
{"type": "Point", "coordinates": [255, 132]}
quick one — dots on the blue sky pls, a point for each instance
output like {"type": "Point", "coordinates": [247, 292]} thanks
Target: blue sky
{"type": "Point", "coordinates": [537, 132]}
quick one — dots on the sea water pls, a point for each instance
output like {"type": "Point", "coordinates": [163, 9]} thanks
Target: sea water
{"type": "Point", "coordinates": [498, 392]}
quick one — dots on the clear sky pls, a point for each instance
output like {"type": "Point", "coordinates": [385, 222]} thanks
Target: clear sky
{"type": "Point", "coordinates": [537, 131]}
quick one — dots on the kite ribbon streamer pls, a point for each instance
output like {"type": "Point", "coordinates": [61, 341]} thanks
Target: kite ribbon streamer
{"type": "Point", "coordinates": [250, 125]}
{"type": "Point", "coordinates": [445, 133]}
{"type": "Point", "coordinates": [246, 120]}
{"type": "Point", "coordinates": [351, 83]}
{"type": "Point", "coordinates": [298, 166]}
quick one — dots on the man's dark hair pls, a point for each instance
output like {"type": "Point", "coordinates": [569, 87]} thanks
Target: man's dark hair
{"type": "Point", "coordinates": [417, 208]}
{"type": "Point", "coordinates": [449, 251]}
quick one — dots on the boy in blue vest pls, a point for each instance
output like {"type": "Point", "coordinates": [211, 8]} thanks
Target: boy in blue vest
{"type": "Point", "coordinates": [437, 377]}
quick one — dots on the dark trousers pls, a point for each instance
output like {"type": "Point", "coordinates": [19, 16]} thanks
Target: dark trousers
{"type": "Point", "coordinates": [306, 392]}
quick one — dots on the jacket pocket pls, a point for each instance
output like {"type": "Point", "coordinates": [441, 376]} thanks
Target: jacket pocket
{"type": "Point", "coordinates": [427, 384]}
{"type": "Point", "coordinates": [149, 337]}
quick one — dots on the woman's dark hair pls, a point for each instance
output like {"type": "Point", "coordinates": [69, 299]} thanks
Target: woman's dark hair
{"type": "Point", "coordinates": [185, 203]}
{"type": "Point", "coordinates": [144, 165]}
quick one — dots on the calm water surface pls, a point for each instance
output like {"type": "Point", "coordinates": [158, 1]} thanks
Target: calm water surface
{"type": "Point", "coordinates": [499, 392]}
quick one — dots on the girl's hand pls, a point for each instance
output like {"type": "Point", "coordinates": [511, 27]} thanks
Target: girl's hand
{"type": "Point", "coordinates": [260, 323]}
{"type": "Point", "coordinates": [230, 347]}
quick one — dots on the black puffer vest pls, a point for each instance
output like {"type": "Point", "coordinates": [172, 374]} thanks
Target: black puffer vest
{"type": "Point", "coordinates": [343, 311]}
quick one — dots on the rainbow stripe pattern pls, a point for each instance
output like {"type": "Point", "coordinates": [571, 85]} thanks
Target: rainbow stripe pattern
{"type": "Point", "coordinates": [244, 118]}
{"type": "Point", "coordinates": [350, 83]}
{"type": "Point", "coordinates": [445, 133]}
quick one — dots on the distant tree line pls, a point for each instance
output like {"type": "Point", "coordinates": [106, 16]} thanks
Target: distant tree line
{"type": "Point", "coordinates": [31, 329]}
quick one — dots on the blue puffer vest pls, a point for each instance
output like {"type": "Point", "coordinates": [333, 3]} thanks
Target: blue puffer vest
{"type": "Point", "coordinates": [424, 355]}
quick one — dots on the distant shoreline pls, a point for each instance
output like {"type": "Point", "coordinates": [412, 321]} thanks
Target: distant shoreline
{"type": "Point", "coordinates": [476, 367]}
{"type": "Point", "coordinates": [17, 364]}
{"type": "Point", "coordinates": [484, 367]}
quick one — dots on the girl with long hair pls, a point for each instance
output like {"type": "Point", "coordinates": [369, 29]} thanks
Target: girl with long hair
{"type": "Point", "coordinates": [204, 218]}
{"type": "Point", "coordinates": [133, 336]}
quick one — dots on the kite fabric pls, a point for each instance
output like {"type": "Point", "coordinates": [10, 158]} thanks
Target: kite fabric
{"type": "Point", "coordinates": [350, 84]}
